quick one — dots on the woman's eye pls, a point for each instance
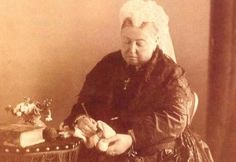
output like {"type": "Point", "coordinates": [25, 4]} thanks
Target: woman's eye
{"type": "Point", "coordinates": [140, 43]}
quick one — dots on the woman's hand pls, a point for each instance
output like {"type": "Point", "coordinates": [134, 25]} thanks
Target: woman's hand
{"type": "Point", "coordinates": [118, 144]}
{"type": "Point", "coordinates": [87, 125]}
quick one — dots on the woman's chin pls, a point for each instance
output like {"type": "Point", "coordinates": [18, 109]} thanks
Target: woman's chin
{"type": "Point", "coordinates": [132, 62]}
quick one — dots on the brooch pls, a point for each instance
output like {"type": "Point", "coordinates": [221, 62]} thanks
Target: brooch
{"type": "Point", "coordinates": [126, 82]}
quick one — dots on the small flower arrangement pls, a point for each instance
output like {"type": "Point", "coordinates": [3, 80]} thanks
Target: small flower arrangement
{"type": "Point", "coordinates": [31, 111]}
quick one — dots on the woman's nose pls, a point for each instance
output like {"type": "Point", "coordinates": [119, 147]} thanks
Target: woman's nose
{"type": "Point", "coordinates": [133, 47]}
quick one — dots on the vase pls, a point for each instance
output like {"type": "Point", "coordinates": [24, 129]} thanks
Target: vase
{"type": "Point", "coordinates": [32, 120]}
{"type": "Point", "coordinates": [37, 122]}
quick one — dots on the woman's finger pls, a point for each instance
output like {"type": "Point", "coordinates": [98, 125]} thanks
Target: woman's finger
{"type": "Point", "coordinates": [92, 124]}
{"type": "Point", "coordinates": [111, 153]}
{"type": "Point", "coordinates": [111, 139]}
{"type": "Point", "coordinates": [89, 122]}
{"type": "Point", "coordinates": [87, 130]}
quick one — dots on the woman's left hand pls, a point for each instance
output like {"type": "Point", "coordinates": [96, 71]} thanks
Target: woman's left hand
{"type": "Point", "coordinates": [118, 144]}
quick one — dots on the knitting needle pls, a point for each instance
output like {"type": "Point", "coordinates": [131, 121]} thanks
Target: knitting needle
{"type": "Point", "coordinates": [86, 113]}
{"type": "Point", "coordinates": [84, 108]}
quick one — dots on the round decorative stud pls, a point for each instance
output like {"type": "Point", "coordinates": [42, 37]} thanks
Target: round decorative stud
{"type": "Point", "coordinates": [27, 150]}
{"type": "Point", "coordinates": [17, 150]}
{"type": "Point", "coordinates": [57, 148]}
{"type": "Point", "coordinates": [6, 150]}
{"type": "Point", "coordinates": [37, 149]}
{"type": "Point", "coordinates": [66, 146]}
{"type": "Point", "coordinates": [73, 146]}
{"type": "Point", "coordinates": [47, 148]}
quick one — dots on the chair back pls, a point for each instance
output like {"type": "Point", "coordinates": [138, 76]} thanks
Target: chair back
{"type": "Point", "coordinates": [194, 107]}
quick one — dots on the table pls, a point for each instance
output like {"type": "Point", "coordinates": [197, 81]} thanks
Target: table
{"type": "Point", "coordinates": [60, 150]}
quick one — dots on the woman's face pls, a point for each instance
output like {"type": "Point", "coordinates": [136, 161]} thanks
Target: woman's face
{"type": "Point", "coordinates": [138, 44]}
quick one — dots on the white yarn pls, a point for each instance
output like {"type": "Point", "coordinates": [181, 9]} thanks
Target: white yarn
{"type": "Point", "coordinates": [140, 11]}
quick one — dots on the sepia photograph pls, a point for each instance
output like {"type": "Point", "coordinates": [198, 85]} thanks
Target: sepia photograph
{"type": "Point", "coordinates": [118, 81]}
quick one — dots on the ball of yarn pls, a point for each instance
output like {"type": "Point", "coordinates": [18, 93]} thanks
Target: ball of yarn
{"type": "Point", "coordinates": [102, 145]}
{"type": "Point", "coordinates": [50, 134]}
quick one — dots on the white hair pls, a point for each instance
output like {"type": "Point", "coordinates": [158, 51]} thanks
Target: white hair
{"type": "Point", "coordinates": [143, 11]}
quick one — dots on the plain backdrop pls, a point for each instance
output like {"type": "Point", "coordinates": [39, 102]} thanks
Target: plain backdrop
{"type": "Point", "coordinates": [47, 47]}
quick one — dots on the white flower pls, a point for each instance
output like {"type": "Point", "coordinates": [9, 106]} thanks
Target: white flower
{"type": "Point", "coordinates": [48, 118]}
{"type": "Point", "coordinates": [18, 113]}
{"type": "Point", "coordinates": [24, 108]}
{"type": "Point", "coordinates": [18, 107]}
{"type": "Point", "coordinates": [30, 108]}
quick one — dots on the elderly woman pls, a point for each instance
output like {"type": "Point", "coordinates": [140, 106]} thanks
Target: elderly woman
{"type": "Point", "coordinates": [140, 93]}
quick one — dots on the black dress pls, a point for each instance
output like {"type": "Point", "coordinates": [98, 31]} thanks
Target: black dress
{"type": "Point", "coordinates": [154, 103]}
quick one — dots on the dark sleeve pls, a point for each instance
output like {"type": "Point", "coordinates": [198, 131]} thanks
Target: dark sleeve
{"type": "Point", "coordinates": [75, 111]}
{"type": "Point", "coordinates": [170, 122]}
{"type": "Point", "coordinates": [90, 94]}
{"type": "Point", "coordinates": [86, 95]}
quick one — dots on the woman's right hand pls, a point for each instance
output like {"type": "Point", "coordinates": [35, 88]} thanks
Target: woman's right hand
{"type": "Point", "coordinates": [87, 125]}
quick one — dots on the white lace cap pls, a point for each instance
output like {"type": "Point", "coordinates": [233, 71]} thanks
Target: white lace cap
{"type": "Point", "coordinates": [140, 11]}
